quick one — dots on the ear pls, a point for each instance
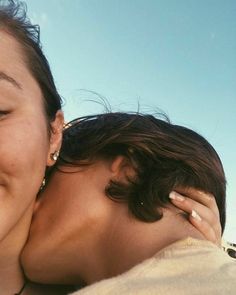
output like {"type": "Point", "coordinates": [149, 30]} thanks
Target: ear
{"type": "Point", "coordinates": [122, 169]}
{"type": "Point", "coordinates": [56, 128]}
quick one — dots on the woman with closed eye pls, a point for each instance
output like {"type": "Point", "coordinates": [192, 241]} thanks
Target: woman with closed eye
{"type": "Point", "coordinates": [30, 137]}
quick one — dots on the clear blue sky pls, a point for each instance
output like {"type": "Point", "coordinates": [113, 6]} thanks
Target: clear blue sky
{"type": "Point", "coordinates": [175, 55]}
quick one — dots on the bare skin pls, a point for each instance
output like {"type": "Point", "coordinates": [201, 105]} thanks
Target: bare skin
{"type": "Point", "coordinates": [88, 237]}
{"type": "Point", "coordinates": [25, 149]}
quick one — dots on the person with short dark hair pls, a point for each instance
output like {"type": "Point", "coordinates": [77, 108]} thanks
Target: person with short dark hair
{"type": "Point", "coordinates": [108, 217]}
{"type": "Point", "coordinates": [30, 136]}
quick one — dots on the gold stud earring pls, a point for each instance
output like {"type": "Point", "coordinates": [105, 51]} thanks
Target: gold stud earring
{"type": "Point", "coordinates": [54, 155]}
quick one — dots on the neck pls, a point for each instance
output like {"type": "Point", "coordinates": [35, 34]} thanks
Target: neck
{"type": "Point", "coordinates": [130, 242]}
{"type": "Point", "coordinates": [11, 274]}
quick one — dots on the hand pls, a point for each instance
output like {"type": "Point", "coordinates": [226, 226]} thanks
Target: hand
{"type": "Point", "coordinates": [203, 211]}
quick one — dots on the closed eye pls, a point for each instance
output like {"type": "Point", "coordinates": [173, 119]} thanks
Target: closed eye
{"type": "Point", "coordinates": [3, 113]}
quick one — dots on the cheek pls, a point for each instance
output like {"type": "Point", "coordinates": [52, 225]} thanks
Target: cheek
{"type": "Point", "coordinates": [23, 152]}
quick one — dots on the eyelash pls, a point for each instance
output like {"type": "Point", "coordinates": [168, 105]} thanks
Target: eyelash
{"type": "Point", "coordinates": [3, 113]}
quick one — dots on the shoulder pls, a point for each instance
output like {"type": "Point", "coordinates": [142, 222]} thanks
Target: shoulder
{"type": "Point", "coordinates": [193, 265]}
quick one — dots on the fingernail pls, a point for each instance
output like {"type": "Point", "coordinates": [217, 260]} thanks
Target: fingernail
{"type": "Point", "coordinates": [176, 196]}
{"type": "Point", "coordinates": [196, 215]}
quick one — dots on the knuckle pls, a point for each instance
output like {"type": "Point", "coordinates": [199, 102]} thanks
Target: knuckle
{"type": "Point", "coordinates": [211, 199]}
{"type": "Point", "coordinates": [212, 219]}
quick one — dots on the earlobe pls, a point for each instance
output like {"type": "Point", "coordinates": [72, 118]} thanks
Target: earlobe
{"type": "Point", "coordinates": [54, 156]}
{"type": "Point", "coordinates": [55, 138]}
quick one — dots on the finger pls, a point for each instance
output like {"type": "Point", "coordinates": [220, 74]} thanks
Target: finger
{"type": "Point", "coordinates": [201, 197]}
{"type": "Point", "coordinates": [188, 205]}
{"type": "Point", "coordinates": [204, 227]}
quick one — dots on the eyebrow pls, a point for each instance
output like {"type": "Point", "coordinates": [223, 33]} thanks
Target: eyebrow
{"type": "Point", "coordinates": [5, 77]}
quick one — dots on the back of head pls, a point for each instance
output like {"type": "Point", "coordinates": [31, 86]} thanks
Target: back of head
{"type": "Point", "coordinates": [13, 21]}
{"type": "Point", "coordinates": [164, 156]}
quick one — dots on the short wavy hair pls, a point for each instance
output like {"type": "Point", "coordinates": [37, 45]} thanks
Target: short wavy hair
{"type": "Point", "coordinates": [165, 157]}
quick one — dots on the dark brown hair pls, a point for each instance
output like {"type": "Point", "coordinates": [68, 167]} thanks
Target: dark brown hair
{"type": "Point", "coordinates": [165, 157]}
{"type": "Point", "coordinates": [14, 21]}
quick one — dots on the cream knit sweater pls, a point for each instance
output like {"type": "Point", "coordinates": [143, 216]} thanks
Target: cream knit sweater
{"type": "Point", "coordinates": [186, 267]}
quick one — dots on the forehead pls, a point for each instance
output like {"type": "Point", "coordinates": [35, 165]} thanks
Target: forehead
{"type": "Point", "coordinates": [12, 64]}
{"type": "Point", "coordinates": [10, 50]}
